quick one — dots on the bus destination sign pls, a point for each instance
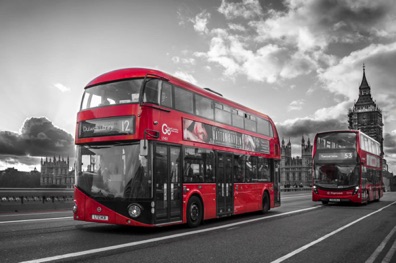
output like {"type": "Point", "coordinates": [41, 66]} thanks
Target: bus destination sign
{"type": "Point", "coordinates": [107, 127]}
{"type": "Point", "coordinates": [336, 156]}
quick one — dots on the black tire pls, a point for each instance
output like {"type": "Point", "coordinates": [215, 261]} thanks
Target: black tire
{"type": "Point", "coordinates": [266, 203]}
{"type": "Point", "coordinates": [379, 194]}
{"type": "Point", "coordinates": [325, 202]}
{"type": "Point", "coordinates": [194, 212]}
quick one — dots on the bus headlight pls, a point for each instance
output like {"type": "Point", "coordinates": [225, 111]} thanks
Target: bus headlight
{"type": "Point", "coordinates": [356, 190]}
{"type": "Point", "coordinates": [315, 189]}
{"type": "Point", "coordinates": [75, 208]}
{"type": "Point", "coordinates": [134, 210]}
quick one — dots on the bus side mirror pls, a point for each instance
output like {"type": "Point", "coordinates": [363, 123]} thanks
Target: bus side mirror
{"type": "Point", "coordinates": [143, 147]}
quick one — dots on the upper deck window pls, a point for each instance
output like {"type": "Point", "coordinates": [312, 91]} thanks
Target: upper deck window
{"type": "Point", "coordinates": [250, 122]}
{"type": "Point", "coordinates": [222, 113]}
{"type": "Point", "coordinates": [336, 140]}
{"type": "Point", "coordinates": [126, 91]}
{"type": "Point", "coordinates": [203, 107]}
{"type": "Point", "coordinates": [237, 118]}
{"type": "Point", "coordinates": [264, 127]}
{"type": "Point", "coordinates": [184, 100]}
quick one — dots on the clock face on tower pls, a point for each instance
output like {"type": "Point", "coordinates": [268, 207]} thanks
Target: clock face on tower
{"type": "Point", "coordinates": [363, 118]}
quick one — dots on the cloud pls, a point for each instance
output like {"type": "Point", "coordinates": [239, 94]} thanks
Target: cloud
{"type": "Point", "coordinates": [185, 76]}
{"type": "Point", "coordinates": [273, 45]}
{"type": "Point", "coordinates": [313, 25]}
{"type": "Point", "coordinates": [61, 87]}
{"type": "Point", "coordinates": [339, 111]}
{"type": "Point", "coordinates": [380, 58]}
{"type": "Point", "coordinates": [38, 137]}
{"type": "Point", "coordinates": [200, 22]}
{"type": "Point", "coordinates": [308, 126]}
{"type": "Point", "coordinates": [247, 9]}
{"type": "Point", "coordinates": [296, 105]}
{"type": "Point", "coordinates": [186, 61]}
{"type": "Point", "coordinates": [22, 163]}
{"type": "Point", "coordinates": [390, 143]}
{"type": "Point", "coordinates": [12, 143]}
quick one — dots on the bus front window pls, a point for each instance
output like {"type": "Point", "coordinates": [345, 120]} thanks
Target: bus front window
{"type": "Point", "coordinates": [112, 171]}
{"type": "Point", "coordinates": [336, 176]}
{"type": "Point", "coordinates": [126, 91]}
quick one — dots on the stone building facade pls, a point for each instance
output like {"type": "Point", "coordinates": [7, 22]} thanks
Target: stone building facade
{"type": "Point", "coordinates": [296, 171]}
{"type": "Point", "coordinates": [55, 172]}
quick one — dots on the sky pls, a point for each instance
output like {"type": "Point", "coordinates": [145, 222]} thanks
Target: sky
{"type": "Point", "coordinates": [298, 61]}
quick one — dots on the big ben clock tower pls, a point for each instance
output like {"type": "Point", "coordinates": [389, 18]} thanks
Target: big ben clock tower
{"type": "Point", "coordinates": [365, 114]}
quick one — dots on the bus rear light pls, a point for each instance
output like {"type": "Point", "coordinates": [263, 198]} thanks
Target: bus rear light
{"type": "Point", "coordinates": [315, 189]}
{"type": "Point", "coordinates": [356, 190]}
{"type": "Point", "coordinates": [134, 210]}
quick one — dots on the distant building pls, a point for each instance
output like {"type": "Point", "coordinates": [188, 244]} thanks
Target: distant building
{"type": "Point", "coordinates": [55, 172]}
{"type": "Point", "coordinates": [11, 177]}
{"type": "Point", "coordinates": [365, 114]}
{"type": "Point", "coordinates": [296, 171]}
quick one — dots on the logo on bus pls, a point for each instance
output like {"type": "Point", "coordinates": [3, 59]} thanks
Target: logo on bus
{"type": "Point", "coordinates": [168, 130]}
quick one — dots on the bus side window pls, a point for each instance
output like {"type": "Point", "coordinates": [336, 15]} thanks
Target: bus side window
{"type": "Point", "coordinates": [239, 171]}
{"type": "Point", "coordinates": [263, 169]}
{"type": "Point", "coordinates": [251, 169]}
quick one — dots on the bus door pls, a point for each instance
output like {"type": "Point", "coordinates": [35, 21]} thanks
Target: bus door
{"type": "Point", "coordinates": [167, 184]}
{"type": "Point", "coordinates": [224, 185]}
{"type": "Point", "coordinates": [275, 168]}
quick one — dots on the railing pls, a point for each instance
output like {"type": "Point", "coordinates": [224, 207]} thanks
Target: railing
{"type": "Point", "coordinates": [22, 195]}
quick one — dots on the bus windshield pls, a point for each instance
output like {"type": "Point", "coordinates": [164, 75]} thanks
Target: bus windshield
{"type": "Point", "coordinates": [113, 171]}
{"type": "Point", "coordinates": [120, 92]}
{"type": "Point", "coordinates": [336, 176]}
{"type": "Point", "coordinates": [336, 140]}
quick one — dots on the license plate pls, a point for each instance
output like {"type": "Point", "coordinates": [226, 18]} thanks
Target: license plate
{"type": "Point", "coordinates": [100, 217]}
{"type": "Point", "coordinates": [334, 200]}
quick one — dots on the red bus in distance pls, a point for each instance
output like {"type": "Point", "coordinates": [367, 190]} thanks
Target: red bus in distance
{"type": "Point", "coordinates": [347, 167]}
{"type": "Point", "coordinates": [154, 150]}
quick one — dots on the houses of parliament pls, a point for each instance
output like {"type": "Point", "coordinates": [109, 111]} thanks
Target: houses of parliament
{"type": "Point", "coordinates": [365, 115]}
{"type": "Point", "coordinates": [55, 172]}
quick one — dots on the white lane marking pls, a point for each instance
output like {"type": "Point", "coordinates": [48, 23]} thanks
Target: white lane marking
{"type": "Point", "coordinates": [380, 247]}
{"type": "Point", "coordinates": [34, 220]}
{"type": "Point", "coordinates": [34, 213]}
{"type": "Point", "coordinates": [389, 255]}
{"type": "Point", "coordinates": [328, 235]}
{"type": "Point", "coordinates": [132, 244]}
{"type": "Point", "coordinates": [294, 197]}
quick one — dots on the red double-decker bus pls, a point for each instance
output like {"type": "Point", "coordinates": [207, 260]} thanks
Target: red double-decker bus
{"type": "Point", "coordinates": [347, 167]}
{"type": "Point", "coordinates": [154, 150]}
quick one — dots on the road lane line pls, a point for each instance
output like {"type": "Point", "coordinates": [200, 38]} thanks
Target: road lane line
{"type": "Point", "coordinates": [33, 220]}
{"type": "Point", "coordinates": [136, 243]}
{"type": "Point", "coordinates": [35, 213]}
{"type": "Point", "coordinates": [380, 247]}
{"type": "Point", "coordinates": [389, 255]}
{"type": "Point", "coordinates": [295, 252]}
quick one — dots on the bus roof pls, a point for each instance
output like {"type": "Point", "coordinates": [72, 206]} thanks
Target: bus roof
{"type": "Point", "coordinates": [129, 73]}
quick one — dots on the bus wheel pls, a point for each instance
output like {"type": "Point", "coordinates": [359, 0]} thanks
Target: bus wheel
{"type": "Point", "coordinates": [266, 203]}
{"type": "Point", "coordinates": [194, 212]}
{"type": "Point", "coordinates": [325, 202]}
{"type": "Point", "coordinates": [378, 196]}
